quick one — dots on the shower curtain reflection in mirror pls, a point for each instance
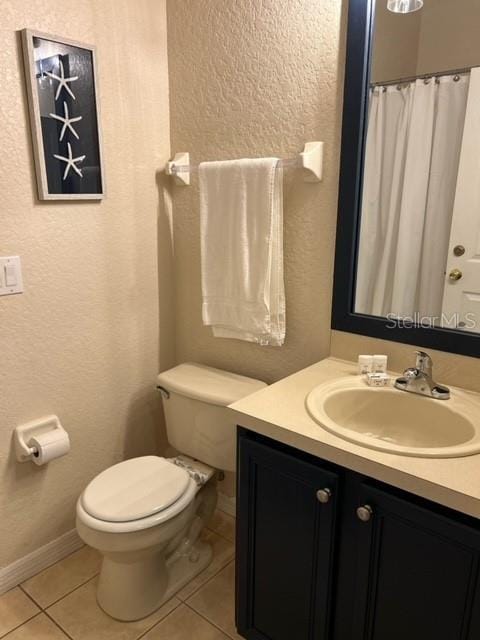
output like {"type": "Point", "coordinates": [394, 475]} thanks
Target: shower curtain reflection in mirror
{"type": "Point", "coordinates": [413, 149]}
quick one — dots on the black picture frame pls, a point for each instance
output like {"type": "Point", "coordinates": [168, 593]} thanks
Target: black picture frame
{"type": "Point", "coordinates": [358, 55]}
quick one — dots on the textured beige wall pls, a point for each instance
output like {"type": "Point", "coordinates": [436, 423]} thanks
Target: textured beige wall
{"type": "Point", "coordinates": [449, 35]}
{"type": "Point", "coordinates": [254, 79]}
{"type": "Point", "coordinates": [440, 37]}
{"type": "Point", "coordinates": [395, 44]}
{"type": "Point", "coordinates": [83, 340]}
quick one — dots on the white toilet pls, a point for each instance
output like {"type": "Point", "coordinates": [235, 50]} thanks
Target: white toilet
{"type": "Point", "coordinates": [145, 514]}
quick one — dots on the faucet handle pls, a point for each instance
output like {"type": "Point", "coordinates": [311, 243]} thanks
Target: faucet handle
{"type": "Point", "coordinates": [424, 362]}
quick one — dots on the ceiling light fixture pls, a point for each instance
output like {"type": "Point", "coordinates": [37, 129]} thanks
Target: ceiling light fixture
{"type": "Point", "coordinates": [404, 6]}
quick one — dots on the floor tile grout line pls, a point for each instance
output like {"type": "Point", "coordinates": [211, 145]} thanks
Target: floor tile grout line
{"type": "Point", "coordinates": [214, 624]}
{"type": "Point", "coordinates": [30, 597]}
{"type": "Point", "coordinates": [37, 604]}
{"type": "Point", "coordinates": [37, 613]}
{"type": "Point", "coordinates": [50, 566]}
{"type": "Point", "coordinates": [229, 515]}
{"type": "Point", "coordinates": [82, 584]}
{"type": "Point", "coordinates": [44, 611]}
{"type": "Point", "coordinates": [220, 535]}
{"type": "Point", "coordinates": [204, 584]}
{"type": "Point", "coordinates": [179, 604]}
{"type": "Point", "coordinates": [61, 597]}
{"type": "Point", "coordinates": [57, 624]}
{"type": "Point", "coordinates": [21, 586]}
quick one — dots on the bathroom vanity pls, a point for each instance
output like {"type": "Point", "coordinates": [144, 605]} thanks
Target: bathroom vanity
{"type": "Point", "coordinates": [340, 541]}
{"type": "Point", "coordinates": [358, 509]}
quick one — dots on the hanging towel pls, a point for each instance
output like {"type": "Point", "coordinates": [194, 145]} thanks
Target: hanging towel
{"type": "Point", "coordinates": [241, 228]}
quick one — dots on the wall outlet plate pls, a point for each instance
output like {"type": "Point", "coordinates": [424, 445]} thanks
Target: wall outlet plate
{"type": "Point", "coordinates": [11, 280]}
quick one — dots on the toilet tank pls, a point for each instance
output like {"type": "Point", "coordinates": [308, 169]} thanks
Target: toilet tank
{"type": "Point", "coordinates": [198, 423]}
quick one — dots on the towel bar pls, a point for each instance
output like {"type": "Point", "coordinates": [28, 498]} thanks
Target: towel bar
{"type": "Point", "coordinates": [310, 160]}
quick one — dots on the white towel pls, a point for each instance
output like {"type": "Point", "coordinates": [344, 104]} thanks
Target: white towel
{"type": "Point", "coordinates": [241, 226]}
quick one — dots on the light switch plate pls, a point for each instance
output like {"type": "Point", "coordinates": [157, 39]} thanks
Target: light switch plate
{"type": "Point", "coordinates": [10, 272]}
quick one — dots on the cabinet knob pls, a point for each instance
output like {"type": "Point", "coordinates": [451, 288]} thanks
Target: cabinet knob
{"type": "Point", "coordinates": [324, 495]}
{"type": "Point", "coordinates": [364, 513]}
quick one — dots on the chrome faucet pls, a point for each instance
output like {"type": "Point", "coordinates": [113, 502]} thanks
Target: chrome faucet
{"type": "Point", "coordinates": [419, 379]}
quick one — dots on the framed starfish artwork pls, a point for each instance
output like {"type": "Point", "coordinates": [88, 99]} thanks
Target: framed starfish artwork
{"type": "Point", "coordinates": [64, 115]}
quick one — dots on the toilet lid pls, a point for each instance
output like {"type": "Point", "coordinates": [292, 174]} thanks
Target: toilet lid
{"type": "Point", "coordinates": [134, 489]}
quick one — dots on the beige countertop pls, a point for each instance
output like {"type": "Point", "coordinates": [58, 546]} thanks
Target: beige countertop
{"type": "Point", "coordinates": [279, 412]}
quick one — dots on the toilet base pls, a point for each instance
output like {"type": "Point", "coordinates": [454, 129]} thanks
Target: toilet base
{"type": "Point", "coordinates": [182, 569]}
{"type": "Point", "coordinates": [178, 569]}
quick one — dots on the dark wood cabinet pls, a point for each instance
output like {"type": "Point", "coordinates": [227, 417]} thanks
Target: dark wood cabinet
{"type": "Point", "coordinates": [417, 572]}
{"type": "Point", "coordinates": [369, 562]}
{"type": "Point", "coordinates": [285, 537]}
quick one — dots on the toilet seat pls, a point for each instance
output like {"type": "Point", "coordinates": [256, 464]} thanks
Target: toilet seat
{"type": "Point", "coordinates": [135, 494]}
{"type": "Point", "coordinates": [134, 489]}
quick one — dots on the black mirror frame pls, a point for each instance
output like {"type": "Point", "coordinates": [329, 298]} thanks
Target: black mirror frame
{"type": "Point", "coordinates": [359, 39]}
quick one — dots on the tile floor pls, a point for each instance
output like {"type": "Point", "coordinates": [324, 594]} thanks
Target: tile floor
{"type": "Point", "coordinates": [59, 603]}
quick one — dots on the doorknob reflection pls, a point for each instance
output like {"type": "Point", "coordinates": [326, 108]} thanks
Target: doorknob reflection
{"type": "Point", "coordinates": [455, 274]}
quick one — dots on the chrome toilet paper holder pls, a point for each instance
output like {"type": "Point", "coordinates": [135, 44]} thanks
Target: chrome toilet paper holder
{"type": "Point", "coordinates": [23, 434]}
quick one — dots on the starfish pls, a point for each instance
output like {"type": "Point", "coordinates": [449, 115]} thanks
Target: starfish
{"type": "Point", "coordinates": [67, 122]}
{"type": "Point", "coordinates": [70, 162]}
{"type": "Point", "coordinates": [62, 81]}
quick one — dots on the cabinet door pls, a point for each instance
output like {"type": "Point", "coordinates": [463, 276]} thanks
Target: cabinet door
{"type": "Point", "coordinates": [417, 572]}
{"type": "Point", "coordinates": [285, 538]}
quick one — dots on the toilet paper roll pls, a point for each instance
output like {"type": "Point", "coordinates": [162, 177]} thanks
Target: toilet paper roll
{"type": "Point", "coordinates": [49, 446]}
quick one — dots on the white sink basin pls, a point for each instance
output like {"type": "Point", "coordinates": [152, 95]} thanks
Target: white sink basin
{"type": "Point", "coordinates": [396, 421]}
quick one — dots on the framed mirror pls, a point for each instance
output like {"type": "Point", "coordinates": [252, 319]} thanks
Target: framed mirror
{"type": "Point", "coordinates": [407, 265]}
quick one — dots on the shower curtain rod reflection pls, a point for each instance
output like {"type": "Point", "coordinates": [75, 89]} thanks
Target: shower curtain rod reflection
{"type": "Point", "coordinates": [423, 76]}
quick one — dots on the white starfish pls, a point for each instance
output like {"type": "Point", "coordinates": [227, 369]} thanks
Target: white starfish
{"type": "Point", "coordinates": [70, 162]}
{"type": "Point", "coordinates": [62, 81]}
{"type": "Point", "coordinates": [67, 122]}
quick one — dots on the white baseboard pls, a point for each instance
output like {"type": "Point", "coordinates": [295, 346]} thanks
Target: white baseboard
{"type": "Point", "coordinates": [227, 504]}
{"type": "Point", "coordinates": [40, 559]}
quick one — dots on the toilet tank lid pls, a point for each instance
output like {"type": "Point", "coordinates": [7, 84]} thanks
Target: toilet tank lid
{"type": "Point", "coordinates": [207, 384]}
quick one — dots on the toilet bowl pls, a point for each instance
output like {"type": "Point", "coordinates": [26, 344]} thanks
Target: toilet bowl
{"type": "Point", "coordinates": [135, 514]}
{"type": "Point", "coordinates": [145, 515]}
